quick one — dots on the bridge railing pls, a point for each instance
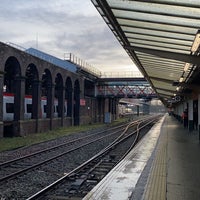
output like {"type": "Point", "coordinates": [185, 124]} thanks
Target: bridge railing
{"type": "Point", "coordinates": [16, 46]}
{"type": "Point", "coordinates": [124, 74]}
{"type": "Point", "coordinates": [83, 65]}
{"type": "Point", "coordinates": [125, 91]}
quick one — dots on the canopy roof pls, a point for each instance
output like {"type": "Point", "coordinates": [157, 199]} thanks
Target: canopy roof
{"type": "Point", "coordinates": [161, 37]}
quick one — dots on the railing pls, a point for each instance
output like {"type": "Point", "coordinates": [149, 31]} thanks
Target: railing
{"type": "Point", "coordinates": [89, 68]}
{"type": "Point", "coordinates": [33, 52]}
{"type": "Point", "coordinates": [16, 46]}
{"type": "Point", "coordinates": [125, 74]}
{"type": "Point", "coordinates": [82, 64]}
{"type": "Point", "coordinates": [125, 91]}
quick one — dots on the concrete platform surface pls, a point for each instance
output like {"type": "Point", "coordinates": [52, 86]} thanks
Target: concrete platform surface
{"type": "Point", "coordinates": [175, 172]}
{"type": "Point", "coordinates": [164, 165]}
{"type": "Point", "coordinates": [121, 181]}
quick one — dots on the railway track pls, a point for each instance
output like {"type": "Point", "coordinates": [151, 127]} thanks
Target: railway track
{"type": "Point", "coordinates": [21, 172]}
{"type": "Point", "coordinates": [51, 145]}
{"type": "Point", "coordinates": [20, 165]}
{"type": "Point", "coordinates": [79, 181]}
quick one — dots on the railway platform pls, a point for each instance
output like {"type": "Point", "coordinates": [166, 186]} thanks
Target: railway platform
{"type": "Point", "coordinates": [164, 165]}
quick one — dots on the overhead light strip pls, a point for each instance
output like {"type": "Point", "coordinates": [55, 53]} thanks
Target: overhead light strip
{"type": "Point", "coordinates": [186, 67]}
{"type": "Point", "coordinates": [196, 43]}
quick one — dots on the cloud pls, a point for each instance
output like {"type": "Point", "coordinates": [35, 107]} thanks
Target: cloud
{"type": "Point", "coordinates": [61, 26]}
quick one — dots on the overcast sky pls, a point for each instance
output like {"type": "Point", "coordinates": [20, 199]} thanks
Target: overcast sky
{"type": "Point", "coordinates": [62, 26]}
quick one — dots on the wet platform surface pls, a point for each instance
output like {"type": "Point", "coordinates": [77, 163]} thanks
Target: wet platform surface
{"type": "Point", "coordinates": [175, 173]}
{"type": "Point", "coordinates": [164, 165]}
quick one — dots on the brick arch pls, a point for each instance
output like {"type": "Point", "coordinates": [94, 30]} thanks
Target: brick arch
{"type": "Point", "coordinates": [12, 84]}
{"type": "Point", "coordinates": [12, 70]}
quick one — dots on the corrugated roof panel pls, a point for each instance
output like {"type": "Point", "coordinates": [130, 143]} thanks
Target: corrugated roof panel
{"type": "Point", "coordinates": [158, 36]}
{"type": "Point", "coordinates": [161, 27]}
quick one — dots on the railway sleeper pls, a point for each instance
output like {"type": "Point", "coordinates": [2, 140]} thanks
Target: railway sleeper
{"type": "Point", "coordinates": [102, 169]}
{"type": "Point", "coordinates": [62, 198]}
{"type": "Point", "coordinates": [77, 183]}
{"type": "Point", "coordinates": [107, 165]}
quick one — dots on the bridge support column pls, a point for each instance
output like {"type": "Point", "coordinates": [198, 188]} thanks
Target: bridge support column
{"type": "Point", "coordinates": [36, 103]}
{"type": "Point", "coordinates": [49, 100]}
{"type": "Point", "coordinates": [107, 110]}
{"type": "Point", "coordinates": [52, 106]}
{"type": "Point", "coordinates": [146, 109]}
{"type": "Point", "coordinates": [114, 108]}
{"type": "Point", "coordinates": [72, 107]}
{"type": "Point", "coordinates": [117, 110]}
{"type": "Point", "coordinates": [106, 105]}
{"type": "Point", "coordinates": [76, 103]}
{"type": "Point", "coordinates": [19, 94]}
{"type": "Point", "coordinates": [100, 111]}
{"type": "Point", "coordinates": [69, 94]}
{"type": "Point", "coordinates": [61, 107]}
{"type": "Point", "coordinates": [138, 110]}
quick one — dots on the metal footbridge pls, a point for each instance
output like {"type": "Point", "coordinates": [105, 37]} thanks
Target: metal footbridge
{"type": "Point", "coordinates": [124, 85]}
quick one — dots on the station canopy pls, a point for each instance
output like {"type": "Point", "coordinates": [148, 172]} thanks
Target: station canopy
{"type": "Point", "coordinates": [161, 37]}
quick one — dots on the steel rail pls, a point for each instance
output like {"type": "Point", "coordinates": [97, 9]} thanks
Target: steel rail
{"type": "Point", "coordinates": [60, 145]}
{"type": "Point", "coordinates": [20, 171]}
{"type": "Point", "coordinates": [42, 192]}
{"type": "Point", "coordinates": [52, 158]}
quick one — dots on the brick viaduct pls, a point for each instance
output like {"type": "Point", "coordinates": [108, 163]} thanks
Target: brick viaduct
{"type": "Point", "coordinates": [22, 75]}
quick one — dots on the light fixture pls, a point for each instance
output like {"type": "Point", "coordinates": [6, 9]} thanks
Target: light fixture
{"type": "Point", "coordinates": [181, 79]}
{"type": "Point", "coordinates": [186, 67]}
{"type": "Point", "coordinates": [178, 88]}
{"type": "Point", "coordinates": [196, 43]}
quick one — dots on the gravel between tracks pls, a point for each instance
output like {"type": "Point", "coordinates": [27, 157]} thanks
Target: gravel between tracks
{"type": "Point", "coordinates": [16, 153]}
{"type": "Point", "coordinates": [31, 182]}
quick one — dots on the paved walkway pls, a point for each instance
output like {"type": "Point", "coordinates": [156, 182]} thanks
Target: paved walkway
{"type": "Point", "coordinates": [122, 179]}
{"type": "Point", "coordinates": [164, 165]}
{"type": "Point", "coordinates": [175, 170]}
